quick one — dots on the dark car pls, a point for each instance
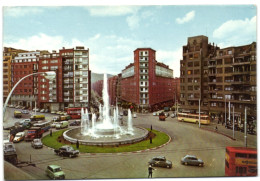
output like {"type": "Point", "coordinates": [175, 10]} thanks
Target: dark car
{"type": "Point", "coordinates": [192, 160]}
{"type": "Point", "coordinates": [75, 123]}
{"type": "Point", "coordinates": [160, 161]}
{"type": "Point", "coordinates": [67, 151]}
{"type": "Point", "coordinates": [125, 112]}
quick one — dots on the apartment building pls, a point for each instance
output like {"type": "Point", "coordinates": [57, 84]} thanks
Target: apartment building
{"type": "Point", "coordinates": [26, 93]}
{"type": "Point", "coordinates": [146, 82]}
{"type": "Point", "coordinates": [232, 80]}
{"type": "Point", "coordinates": [71, 88]}
{"type": "Point", "coordinates": [212, 77]}
{"type": "Point", "coordinates": [8, 55]}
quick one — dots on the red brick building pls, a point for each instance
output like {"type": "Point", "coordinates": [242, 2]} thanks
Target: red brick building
{"type": "Point", "coordinates": [176, 88]}
{"type": "Point", "coordinates": [146, 82]}
{"type": "Point", "coordinates": [112, 89]}
{"type": "Point", "coordinates": [98, 87]}
{"type": "Point", "coordinates": [26, 92]}
{"type": "Point", "coordinates": [72, 86]}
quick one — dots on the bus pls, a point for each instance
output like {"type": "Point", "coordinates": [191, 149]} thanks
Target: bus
{"type": "Point", "coordinates": [45, 125]}
{"type": "Point", "coordinates": [75, 113]}
{"type": "Point", "coordinates": [194, 118]}
{"type": "Point", "coordinates": [241, 161]}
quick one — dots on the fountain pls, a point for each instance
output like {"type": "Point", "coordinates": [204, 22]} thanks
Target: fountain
{"type": "Point", "coordinates": [106, 129]}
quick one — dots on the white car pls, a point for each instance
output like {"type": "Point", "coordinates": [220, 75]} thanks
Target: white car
{"type": "Point", "coordinates": [19, 137]}
{"type": "Point", "coordinates": [42, 110]}
{"type": "Point", "coordinates": [154, 113]}
{"type": "Point", "coordinates": [134, 116]}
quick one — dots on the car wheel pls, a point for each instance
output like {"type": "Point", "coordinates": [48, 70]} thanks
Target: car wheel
{"type": "Point", "coordinates": [168, 166]}
{"type": "Point", "coordinates": [201, 165]}
{"type": "Point", "coordinates": [186, 163]}
{"type": "Point", "coordinates": [70, 155]}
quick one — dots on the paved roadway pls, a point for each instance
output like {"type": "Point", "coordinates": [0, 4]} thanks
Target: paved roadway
{"type": "Point", "coordinates": [186, 139]}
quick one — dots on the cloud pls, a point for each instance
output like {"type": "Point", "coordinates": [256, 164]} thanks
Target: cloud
{"type": "Point", "coordinates": [21, 11]}
{"type": "Point", "coordinates": [112, 10]}
{"type": "Point", "coordinates": [188, 17]}
{"type": "Point", "coordinates": [171, 58]}
{"type": "Point", "coordinates": [108, 54]}
{"type": "Point", "coordinates": [133, 21]}
{"type": "Point", "coordinates": [235, 32]}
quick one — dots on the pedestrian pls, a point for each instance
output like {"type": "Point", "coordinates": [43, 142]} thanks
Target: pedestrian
{"type": "Point", "coordinates": [50, 132]}
{"type": "Point", "coordinates": [216, 128]}
{"type": "Point", "coordinates": [77, 144]}
{"type": "Point", "coordinates": [151, 140]}
{"type": "Point", "coordinates": [151, 127]}
{"type": "Point", "coordinates": [150, 170]}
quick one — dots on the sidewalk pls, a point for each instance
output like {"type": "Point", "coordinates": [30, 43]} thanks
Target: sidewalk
{"type": "Point", "coordinates": [239, 136]}
{"type": "Point", "coordinates": [13, 173]}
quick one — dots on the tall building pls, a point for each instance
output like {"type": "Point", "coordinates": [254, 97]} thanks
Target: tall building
{"type": "Point", "coordinates": [8, 55]}
{"type": "Point", "coordinates": [232, 80]}
{"type": "Point", "coordinates": [146, 82]}
{"type": "Point", "coordinates": [194, 74]}
{"type": "Point", "coordinates": [26, 93]}
{"type": "Point", "coordinates": [71, 88]}
{"type": "Point", "coordinates": [216, 77]}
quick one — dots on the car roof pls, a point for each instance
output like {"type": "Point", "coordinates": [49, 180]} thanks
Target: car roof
{"type": "Point", "coordinates": [54, 166]}
{"type": "Point", "coordinates": [191, 156]}
{"type": "Point", "coordinates": [163, 157]}
{"type": "Point", "coordinates": [65, 146]}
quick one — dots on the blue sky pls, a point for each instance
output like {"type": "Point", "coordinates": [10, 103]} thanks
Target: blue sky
{"type": "Point", "coordinates": [112, 33]}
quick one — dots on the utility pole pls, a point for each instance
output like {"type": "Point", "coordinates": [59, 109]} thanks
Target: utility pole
{"type": "Point", "coordinates": [229, 111]}
{"type": "Point", "coordinates": [245, 123]}
{"type": "Point", "coordinates": [233, 123]}
{"type": "Point", "coordinates": [225, 112]}
{"type": "Point", "coordinates": [199, 113]}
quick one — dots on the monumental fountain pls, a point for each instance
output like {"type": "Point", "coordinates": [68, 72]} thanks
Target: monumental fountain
{"type": "Point", "coordinates": [105, 130]}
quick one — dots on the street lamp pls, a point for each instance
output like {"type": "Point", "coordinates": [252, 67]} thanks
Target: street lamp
{"type": "Point", "coordinates": [48, 75]}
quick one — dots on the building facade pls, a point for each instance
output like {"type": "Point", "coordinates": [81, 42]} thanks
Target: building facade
{"type": "Point", "coordinates": [112, 90]}
{"type": "Point", "coordinates": [26, 93]}
{"type": "Point", "coordinates": [147, 83]}
{"type": "Point", "coordinates": [71, 88]}
{"type": "Point", "coordinates": [8, 55]}
{"type": "Point", "coordinates": [214, 77]}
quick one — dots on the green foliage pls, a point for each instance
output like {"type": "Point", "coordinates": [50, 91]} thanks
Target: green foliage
{"type": "Point", "coordinates": [158, 140]}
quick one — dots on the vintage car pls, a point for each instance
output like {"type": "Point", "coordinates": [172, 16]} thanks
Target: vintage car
{"type": "Point", "coordinates": [67, 151]}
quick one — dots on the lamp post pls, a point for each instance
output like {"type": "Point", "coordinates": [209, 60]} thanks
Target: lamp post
{"type": "Point", "coordinates": [48, 75]}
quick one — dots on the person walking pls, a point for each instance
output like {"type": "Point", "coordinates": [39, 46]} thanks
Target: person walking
{"type": "Point", "coordinates": [50, 132]}
{"type": "Point", "coordinates": [150, 170]}
{"type": "Point", "coordinates": [77, 144]}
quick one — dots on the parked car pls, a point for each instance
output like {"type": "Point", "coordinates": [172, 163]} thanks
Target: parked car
{"type": "Point", "coordinates": [192, 160]}
{"type": "Point", "coordinates": [19, 137]}
{"type": "Point", "coordinates": [11, 106]}
{"type": "Point", "coordinates": [25, 112]}
{"type": "Point", "coordinates": [37, 109]}
{"type": "Point", "coordinates": [121, 114]}
{"type": "Point", "coordinates": [162, 116]}
{"type": "Point", "coordinates": [160, 161]}
{"type": "Point", "coordinates": [42, 110]}
{"type": "Point", "coordinates": [17, 114]}
{"type": "Point", "coordinates": [173, 115]}
{"type": "Point", "coordinates": [46, 110]}
{"type": "Point", "coordinates": [75, 123]}
{"type": "Point", "coordinates": [36, 143]}
{"type": "Point", "coordinates": [62, 124]}
{"type": "Point", "coordinates": [134, 116]}
{"type": "Point", "coordinates": [55, 172]}
{"type": "Point", "coordinates": [67, 151]}
{"type": "Point", "coordinates": [53, 112]}
{"type": "Point", "coordinates": [58, 112]}
{"type": "Point", "coordinates": [154, 113]}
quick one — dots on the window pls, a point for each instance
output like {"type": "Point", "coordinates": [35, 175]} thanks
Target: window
{"type": "Point", "coordinates": [189, 72]}
{"type": "Point", "coordinates": [241, 155]}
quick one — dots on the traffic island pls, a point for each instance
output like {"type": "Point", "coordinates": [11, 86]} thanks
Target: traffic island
{"type": "Point", "coordinates": [158, 139]}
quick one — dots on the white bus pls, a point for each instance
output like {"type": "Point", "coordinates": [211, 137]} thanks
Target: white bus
{"type": "Point", "coordinates": [194, 118]}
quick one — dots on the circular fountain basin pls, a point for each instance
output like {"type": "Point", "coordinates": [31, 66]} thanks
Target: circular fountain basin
{"type": "Point", "coordinates": [106, 136]}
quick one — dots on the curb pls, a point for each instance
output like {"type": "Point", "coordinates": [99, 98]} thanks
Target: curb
{"type": "Point", "coordinates": [123, 153]}
{"type": "Point", "coordinates": [230, 137]}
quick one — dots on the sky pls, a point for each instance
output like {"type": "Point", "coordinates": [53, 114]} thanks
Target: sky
{"type": "Point", "coordinates": [112, 33]}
